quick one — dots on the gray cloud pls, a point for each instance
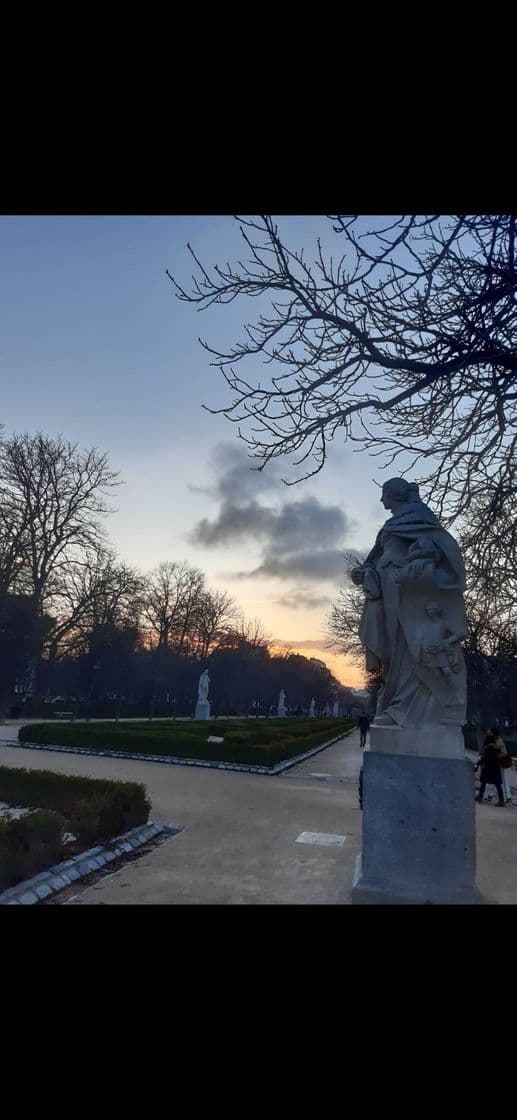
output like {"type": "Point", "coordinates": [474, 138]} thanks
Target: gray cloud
{"type": "Point", "coordinates": [234, 522]}
{"type": "Point", "coordinates": [304, 600]}
{"type": "Point", "coordinates": [300, 525]}
{"type": "Point", "coordinates": [235, 475]}
{"type": "Point", "coordinates": [305, 524]}
{"type": "Point", "coordinates": [302, 540]}
{"type": "Point", "coordinates": [317, 565]}
{"type": "Point", "coordinates": [310, 643]}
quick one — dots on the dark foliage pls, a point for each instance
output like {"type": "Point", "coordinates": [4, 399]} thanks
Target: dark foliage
{"type": "Point", "coordinates": [254, 742]}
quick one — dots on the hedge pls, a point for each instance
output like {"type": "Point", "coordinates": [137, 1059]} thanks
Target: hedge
{"type": "Point", "coordinates": [91, 809]}
{"type": "Point", "coordinates": [29, 844]}
{"type": "Point", "coordinates": [252, 742]}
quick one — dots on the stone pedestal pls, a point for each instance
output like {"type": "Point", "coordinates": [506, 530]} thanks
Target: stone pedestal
{"type": "Point", "coordinates": [419, 843]}
{"type": "Point", "coordinates": [281, 712]}
{"type": "Point", "coordinates": [202, 709]}
{"type": "Point", "coordinates": [436, 740]}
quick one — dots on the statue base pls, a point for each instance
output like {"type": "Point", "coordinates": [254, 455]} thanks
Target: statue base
{"type": "Point", "coordinates": [202, 709]}
{"type": "Point", "coordinates": [281, 713]}
{"type": "Point", "coordinates": [435, 740]}
{"type": "Point", "coordinates": [419, 840]}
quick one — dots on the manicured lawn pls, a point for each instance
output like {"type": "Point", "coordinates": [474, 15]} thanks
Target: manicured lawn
{"type": "Point", "coordinates": [256, 742]}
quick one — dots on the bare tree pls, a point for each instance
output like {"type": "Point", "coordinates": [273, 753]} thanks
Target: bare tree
{"type": "Point", "coordinates": [51, 496]}
{"type": "Point", "coordinates": [13, 537]}
{"type": "Point", "coordinates": [172, 603]}
{"type": "Point", "coordinates": [345, 614]}
{"type": "Point", "coordinates": [248, 633]}
{"type": "Point", "coordinates": [404, 342]}
{"type": "Point", "coordinates": [343, 627]}
{"type": "Point", "coordinates": [217, 612]}
{"type": "Point", "coordinates": [95, 591]}
{"type": "Point", "coordinates": [491, 553]}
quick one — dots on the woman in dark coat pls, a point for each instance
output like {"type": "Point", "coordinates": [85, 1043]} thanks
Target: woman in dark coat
{"type": "Point", "coordinates": [490, 771]}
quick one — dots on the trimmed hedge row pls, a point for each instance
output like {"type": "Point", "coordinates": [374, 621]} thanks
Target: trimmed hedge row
{"type": "Point", "coordinates": [91, 809]}
{"type": "Point", "coordinates": [28, 845]}
{"type": "Point", "coordinates": [257, 743]}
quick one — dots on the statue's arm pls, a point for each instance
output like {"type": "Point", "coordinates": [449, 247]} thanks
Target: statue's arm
{"type": "Point", "coordinates": [450, 640]}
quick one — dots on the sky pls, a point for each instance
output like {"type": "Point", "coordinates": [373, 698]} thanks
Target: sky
{"type": "Point", "coordinates": [95, 345]}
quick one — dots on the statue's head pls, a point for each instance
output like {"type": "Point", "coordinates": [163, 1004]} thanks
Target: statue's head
{"type": "Point", "coordinates": [396, 491]}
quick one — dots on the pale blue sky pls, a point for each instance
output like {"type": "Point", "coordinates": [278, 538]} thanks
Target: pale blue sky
{"type": "Point", "coordinates": [95, 345]}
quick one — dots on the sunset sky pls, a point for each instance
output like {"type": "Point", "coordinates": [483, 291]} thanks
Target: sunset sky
{"type": "Point", "coordinates": [96, 346]}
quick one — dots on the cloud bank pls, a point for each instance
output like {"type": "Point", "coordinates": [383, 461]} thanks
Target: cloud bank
{"type": "Point", "coordinates": [302, 539]}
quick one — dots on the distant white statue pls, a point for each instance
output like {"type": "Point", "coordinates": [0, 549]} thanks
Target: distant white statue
{"type": "Point", "coordinates": [281, 710]}
{"type": "Point", "coordinates": [203, 703]}
{"type": "Point", "coordinates": [312, 711]}
{"type": "Point", "coordinates": [335, 710]}
{"type": "Point", "coordinates": [204, 684]}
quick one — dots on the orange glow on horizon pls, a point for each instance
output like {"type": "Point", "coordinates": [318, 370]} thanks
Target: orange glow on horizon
{"type": "Point", "coordinates": [344, 668]}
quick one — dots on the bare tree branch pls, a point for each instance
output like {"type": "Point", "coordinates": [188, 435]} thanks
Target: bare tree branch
{"type": "Point", "coordinates": [403, 343]}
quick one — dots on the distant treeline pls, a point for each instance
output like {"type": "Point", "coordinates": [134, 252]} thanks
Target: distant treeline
{"type": "Point", "coordinates": [77, 622]}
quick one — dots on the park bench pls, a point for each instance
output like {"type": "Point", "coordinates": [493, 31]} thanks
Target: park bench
{"type": "Point", "coordinates": [63, 715]}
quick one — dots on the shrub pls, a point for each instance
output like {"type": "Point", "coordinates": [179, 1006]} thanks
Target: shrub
{"type": "Point", "coordinates": [29, 844]}
{"type": "Point", "coordinates": [94, 818]}
{"type": "Point", "coordinates": [94, 809]}
{"type": "Point", "coordinates": [253, 742]}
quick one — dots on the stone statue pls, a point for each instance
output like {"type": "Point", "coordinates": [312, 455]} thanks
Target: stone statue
{"type": "Point", "coordinates": [414, 617]}
{"type": "Point", "coordinates": [204, 684]}
{"type": "Point", "coordinates": [312, 711]}
{"type": "Point", "coordinates": [203, 704]}
{"type": "Point", "coordinates": [281, 710]}
{"type": "Point", "coordinates": [419, 839]}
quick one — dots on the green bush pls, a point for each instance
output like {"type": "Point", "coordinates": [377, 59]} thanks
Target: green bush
{"type": "Point", "coordinates": [29, 844]}
{"type": "Point", "coordinates": [95, 818]}
{"type": "Point", "coordinates": [94, 809]}
{"type": "Point", "coordinates": [251, 742]}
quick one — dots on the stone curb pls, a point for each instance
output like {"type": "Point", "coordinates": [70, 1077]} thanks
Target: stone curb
{"type": "Point", "coordinates": [63, 874]}
{"type": "Point", "coordinates": [173, 760]}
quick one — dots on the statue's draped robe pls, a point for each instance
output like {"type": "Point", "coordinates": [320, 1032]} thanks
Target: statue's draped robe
{"type": "Point", "coordinates": [393, 626]}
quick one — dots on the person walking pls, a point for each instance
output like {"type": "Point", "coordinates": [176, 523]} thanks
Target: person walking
{"type": "Point", "coordinates": [505, 763]}
{"type": "Point", "coordinates": [486, 738]}
{"type": "Point", "coordinates": [490, 772]}
{"type": "Point", "coordinates": [363, 724]}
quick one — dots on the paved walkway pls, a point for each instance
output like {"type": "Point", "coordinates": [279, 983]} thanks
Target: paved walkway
{"type": "Point", "coordinates": [239, 843]}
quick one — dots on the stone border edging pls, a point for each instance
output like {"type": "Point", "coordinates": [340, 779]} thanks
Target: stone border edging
{"type": "Point", "coordinates": [63, 874]}
{"type": "Point", "coordinates": [173, 760]}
